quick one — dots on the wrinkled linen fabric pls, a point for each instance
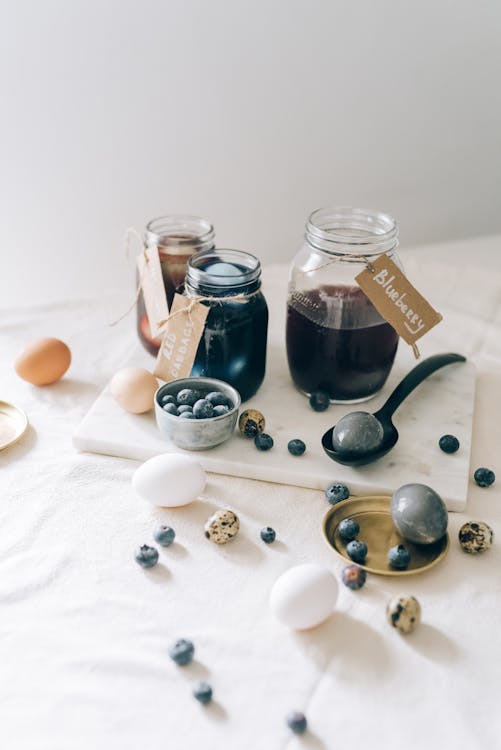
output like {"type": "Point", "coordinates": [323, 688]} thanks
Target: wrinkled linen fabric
{"type": "Point", "coordinates": [84, 631]}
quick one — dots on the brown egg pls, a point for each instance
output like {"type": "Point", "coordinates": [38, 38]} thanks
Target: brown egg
{"type": "Point", "coordinates": [44, 361]}
{"type": "Point", "coordinates": [134, 389]}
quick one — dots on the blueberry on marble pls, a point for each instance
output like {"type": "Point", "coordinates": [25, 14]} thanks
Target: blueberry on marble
{"type": "Point", "coordinates": [399, 557]}
{"type": "Point", "coordinates": [296, 721]}
{"type": "Point", "coordinates": [348, 529]}
{"type": "Point", "coordinates": [353, 577]}
{"type": "Point", "coordinates": [146, 556]}
{"type": "Point", "coordinates": [164, 535]}
{"type": "Point", "coordinates": [357, 551]}
{"type": "Point", "coordinates": [319, 400]}
{"type": "Point", "coordinates": [170, 409]}
{"type": "Point", "coordinates": [296, 447]}
{"type": "Point", "coordinates": [263, 442]}
{"type": "Point", "coordinates": [268, 535]}
{"type": "Point", "coordinates": [220, 410]}
{"type": "Point", "coordinates": [183, 408]}
{"type": "Point", "coordinates": [448, 443]}
{"type": "Point", "coordinates": [203, 409]}
{"type": "Point", "coordinates": [187, 396]}
{"type": "Point", "coordinates": [168, 398]}
{"type": "Point", "coordinates": [182, 651]}
{"type": "Point", "coordinates": [187, 415]}
{"type": "Point", "coordinates": [484, 477]}
{"type": "Point", "coordinates": [337, 492]}
{"type": "Point", "coordinates": [203, 692]}
{"type": "Point", "coordinates": [217, 399]}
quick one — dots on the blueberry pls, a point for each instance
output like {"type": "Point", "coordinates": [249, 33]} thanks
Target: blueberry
{"type": "Point", "coordinates": [167, 399]}
{"type": "Point", "coordinates": [357, 551]}
{"type": "Point", "coordinates": [164, 535]}
{"type": "Point", "coordinates": [449, 443]}
{"type": "Point", "coordinates": [187, 396]}
{"type": "Point", "coordinates": [353, 577]}
{"type": "Point", "coordinates": [182, 652]}
{"type": "Point", "coordinates": [203, 409]}
{"type": "Point", "coordinates": [319, 401]}
{"type": "Point", "coordinates": [146, 556]}
{"type": "Point", "coordinates": [484, 477]}
{"type": "Point", "coordinates": [296, 721]}
{"type": "Point", "coordinates": [218, 399]}
{"type": "Point", "coordinates": [296, 447]}
{"type": "Point", "coordinates": [263, 442]}
{"type": "Point", "coordinates": [399, 557]}
{"type": "Point", "coordinates": [203, 692]}
{"type": "Point", "coordinates": [187, 415]}
{"type": "Point", "coordinates": [268, 534]}
{"type": "Point", "coordinates": [170, 409]}
{"type": "Point", "coordinates": [348, 529]}
{"type": "Point", "coordinates": [184, 408]}
{"type": "Point", "coordinates": [337, 492]}
{"type": "Point", "coordinates": [220, 410]}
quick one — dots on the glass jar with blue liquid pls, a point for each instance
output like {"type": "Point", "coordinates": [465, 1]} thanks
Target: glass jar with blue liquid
{"type": "Point", "coordinates": [233, 344]}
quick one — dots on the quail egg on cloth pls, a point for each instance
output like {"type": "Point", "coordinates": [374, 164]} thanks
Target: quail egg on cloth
{"type": "Point", "coordinates": [222, 526]}
{"type": "Point", "coordinates": [169, 480]}
{"type": "Point", "coordinates": [304, 596]}
{"type": "Point", "coordinates": [419, 513]}
{"type": "Point", "coordinates": [134, 389]}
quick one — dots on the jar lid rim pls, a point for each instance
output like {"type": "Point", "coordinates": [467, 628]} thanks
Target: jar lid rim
{"type": "Point", "coordinates": [364, 230]}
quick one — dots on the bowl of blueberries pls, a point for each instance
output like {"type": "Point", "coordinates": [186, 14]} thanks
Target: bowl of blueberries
{"type": "Point", "coordinates": [197, 413]}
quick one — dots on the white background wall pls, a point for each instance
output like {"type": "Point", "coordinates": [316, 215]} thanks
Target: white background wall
{"type": "Point", "coordinates": [249, 112]}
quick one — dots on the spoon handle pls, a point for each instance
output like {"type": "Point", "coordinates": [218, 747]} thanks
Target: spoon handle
{"type": "Point", "coordinates": [416, 376]}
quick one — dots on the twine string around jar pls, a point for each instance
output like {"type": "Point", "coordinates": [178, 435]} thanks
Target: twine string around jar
{"type": "Point", "coordinates": [131, 232]}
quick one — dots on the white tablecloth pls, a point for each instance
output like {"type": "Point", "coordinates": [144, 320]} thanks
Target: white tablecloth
{"type": "Point", "coordinates": [85, 631]}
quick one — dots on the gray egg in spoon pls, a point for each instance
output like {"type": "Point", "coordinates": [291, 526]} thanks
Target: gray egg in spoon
{"type": "Point", "coordinates": [360, 438]}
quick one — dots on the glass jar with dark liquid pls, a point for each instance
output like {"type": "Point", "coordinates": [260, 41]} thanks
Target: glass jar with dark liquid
{"type": "Point", "coordinates": [336, 339]}
{"type": "Point", "coordinates": [177, 238]}
{"type": "Point", "coordinates": [233, 344]}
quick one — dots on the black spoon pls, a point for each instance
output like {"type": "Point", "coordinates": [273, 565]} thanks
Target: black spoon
{"type": "Point", "coordinates": [390, 434]}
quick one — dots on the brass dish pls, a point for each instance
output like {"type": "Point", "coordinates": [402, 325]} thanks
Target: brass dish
{"type": "Point", "coordinates": [379, 533]}
{"type": "Point", "coordinates": [13, 424]}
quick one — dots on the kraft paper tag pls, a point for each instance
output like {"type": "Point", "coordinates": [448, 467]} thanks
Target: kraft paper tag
{"type": "Point", "coordinates": [397, 300]}
{"type": "Point", "coordinates": [180, 339]}
{"type": "Point", "coordinates": [152, 283]}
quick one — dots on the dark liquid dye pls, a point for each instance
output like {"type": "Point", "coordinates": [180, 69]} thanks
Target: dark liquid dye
{"type": "Point", "coordinates": [338, 342]}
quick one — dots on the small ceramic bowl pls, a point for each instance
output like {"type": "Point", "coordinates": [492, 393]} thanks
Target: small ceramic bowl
{"type": "Point", "coordinates": [197, 434]}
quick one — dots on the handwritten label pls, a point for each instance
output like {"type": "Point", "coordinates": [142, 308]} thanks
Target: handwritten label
{"type": "Point", "coordinates": [152, 283]}
{"type": "Point", "coordinates": [397, 300]}
{"type": "Point", "coordinates": [180, 338]}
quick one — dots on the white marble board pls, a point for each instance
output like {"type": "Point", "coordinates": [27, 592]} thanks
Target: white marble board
{"type": "Point", "coordinates": [441, 404]}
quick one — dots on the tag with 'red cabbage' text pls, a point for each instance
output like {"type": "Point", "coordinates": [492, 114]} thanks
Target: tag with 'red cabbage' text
{"type": "Point", "coordinates": [152, 285]}
{"type": "Point", "coordinates": [397, 300]}
{"type": "Point", "coordinates": [180, 339]}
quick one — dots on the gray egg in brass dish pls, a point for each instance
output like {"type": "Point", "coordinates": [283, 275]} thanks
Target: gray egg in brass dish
{"type": "Point", "coordinates": [197, 413]}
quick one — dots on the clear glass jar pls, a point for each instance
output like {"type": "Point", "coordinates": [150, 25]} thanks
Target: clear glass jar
{"type": "Point", "coordinates": [233, 344]}
{"type": "Point", "coordinates": [177, 238]}
{"type": "Point", "coordinates": [336, 339]}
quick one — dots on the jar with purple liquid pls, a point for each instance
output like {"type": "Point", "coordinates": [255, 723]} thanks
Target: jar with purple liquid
{"type": "Point", "coordinates": [336, 339]}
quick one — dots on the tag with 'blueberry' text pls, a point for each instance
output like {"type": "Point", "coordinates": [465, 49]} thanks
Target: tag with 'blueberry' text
{"type": "Point", "coordinates": [397, 300]}
{"type": "Point", "coordinates": [180, 338]}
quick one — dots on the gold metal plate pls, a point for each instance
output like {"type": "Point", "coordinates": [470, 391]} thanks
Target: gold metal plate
{"type": "Point", "coordinates": [379, 533]}
{"type": "Point", "coordinates": [13, 424]}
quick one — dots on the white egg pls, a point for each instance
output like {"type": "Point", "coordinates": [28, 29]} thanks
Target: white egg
{"type": "Point", "coordinates": [304, 596]}
{"type": "Point", "coordinates": [170, 480]}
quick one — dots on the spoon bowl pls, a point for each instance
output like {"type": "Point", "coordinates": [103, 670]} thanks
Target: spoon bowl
{"type": "Point", "coordinates": [390, 433]}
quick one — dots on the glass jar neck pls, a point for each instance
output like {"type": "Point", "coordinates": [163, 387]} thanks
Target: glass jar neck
{"type": "Point", "coordinates": [223, 273]}
{"type": "Point", "coordinates": [180, 234]}
{"type": "Point", "coordinates": [354, 233]}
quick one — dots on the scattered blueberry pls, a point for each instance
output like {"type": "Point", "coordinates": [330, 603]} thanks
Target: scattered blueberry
{"type": "Point", "coordinates": [337, 492]}
{"type": "Point", "coordinates": [187, 415]}
{"type": "Point", "coordinates": [220, 410]}
{"type": "Point", "coordinates": [319, 401]}
{"type": "Point", "coordinates": [348, 529]}
{"type": "Point", "coordinates": [353, 577]}
{"type": "Point", "coordinates": [217, 399]}
{"type": "Point", "coordinates": [167, 399]}
{"type": "Point", "coordinates": [296, 447]}
{"type": "Point", "coordinates": [263, 442]}
{"type": "Point", "coordinates": [296, 721]}
{"type": "Point", "coordinates": [484, 477]}
{"type": "Point", "coordinates": [164, 535]}
{"type": "Point", "coordinates": [203, 409]}
{"type": "Point", "coordinates": [170, 409]}
{"type": "Point", "coordinates": [449, 443]}
{"type": "Point", "coordinates": [187, 396]}
{"type": "Point", "coordinates": [182, 652]}
{"type": "Point", "coordinates": [399, 557]}
{"type": "Point", "coordinates": [146, 556]}
{"type": "Point", "coordinates": [268, 535]}
{"type": "Point", "coordinates": [203, 692]}
{"type": "Point", "coordinates": [184, 407]}
{"type": "Point", "coordinates": [357, 551]}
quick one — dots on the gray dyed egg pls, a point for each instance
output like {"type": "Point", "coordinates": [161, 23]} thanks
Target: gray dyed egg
{"type": "Point", "coordinates": [419, 513]}
{"type": "Point", "coordinates": [358, 432]}
{"type": "Point", "coordinates": [475, 537]}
